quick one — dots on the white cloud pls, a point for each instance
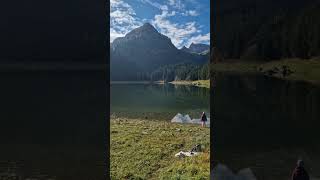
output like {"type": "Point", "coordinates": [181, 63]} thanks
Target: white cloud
{"type": "Point", "coordinates": [190, 13]}
{"type": "Point", "coordinates": [171, 2]}
{"type": "Point", "coordinates": [180, 34]}
{"type": "Point", "coordinates": [156, 5]}
{"type": "Point", "coordinates": [193, 13]}
{"type": "Point", "coordinates": [176, 4]}
{"type": "Point", "coordinates": [122, 19]}
{"type": "Point", "coordinates": [199, 39]}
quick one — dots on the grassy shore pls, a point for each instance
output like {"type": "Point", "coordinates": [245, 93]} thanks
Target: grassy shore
{"type": "Point", "coordinates": [199, 83]}
{"type": "Point", "coordinates": [145, 149]}
{"type": "Point", "coordinates": [302, 70]}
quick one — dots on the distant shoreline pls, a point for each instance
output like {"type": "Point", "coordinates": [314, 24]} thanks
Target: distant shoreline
{"type": "Point", "coordinates": [300, 69]}
{"type": "Point", "coordinates": [198, 83]}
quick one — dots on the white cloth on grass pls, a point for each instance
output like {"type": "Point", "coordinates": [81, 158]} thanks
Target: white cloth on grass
{"type": "Point", "coordinates": [186, 154]}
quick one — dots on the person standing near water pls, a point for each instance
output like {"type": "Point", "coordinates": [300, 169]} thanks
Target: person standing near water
{"type": "Point", "coordinates": [299, 172]}
{"type": "Point", "coordinates": [203, 119]}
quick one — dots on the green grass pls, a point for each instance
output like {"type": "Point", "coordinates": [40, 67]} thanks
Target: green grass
{"type": "Point", "coordinates": [145, 149]}
{"type": "Point", "coordinates": [303, 70]}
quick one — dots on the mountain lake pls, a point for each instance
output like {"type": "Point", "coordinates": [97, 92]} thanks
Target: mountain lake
{"type": "Point", "coordinates": [158, 101]}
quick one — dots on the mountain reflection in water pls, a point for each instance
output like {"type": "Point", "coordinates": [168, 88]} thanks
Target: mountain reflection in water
{"type": "Point", "coordinates": [158, 101]}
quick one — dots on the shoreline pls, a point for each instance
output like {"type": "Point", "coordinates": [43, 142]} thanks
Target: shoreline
{"type": "Point", "coordinates": [198, 83]}
{"type": "Point", "coordinates": [152, 116]}
{"type": "Point", "coordinates": [297, 69]}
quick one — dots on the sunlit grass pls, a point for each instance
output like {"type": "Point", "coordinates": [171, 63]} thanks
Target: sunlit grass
{"type": "Point", "coordinates": [145, 149]}
{"type": "Point", "coordinates": [199, 83]}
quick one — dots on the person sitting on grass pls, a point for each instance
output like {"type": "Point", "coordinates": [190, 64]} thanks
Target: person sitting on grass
{"type": "Point", "coordinates": [299, 172]}
{"type": "Point", "coordinates": [203, 119]}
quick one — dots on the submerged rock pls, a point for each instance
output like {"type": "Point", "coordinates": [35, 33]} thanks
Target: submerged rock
{"type": "Point", "coordinates": [222, 172]}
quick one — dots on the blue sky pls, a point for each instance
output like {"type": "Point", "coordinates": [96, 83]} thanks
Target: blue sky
{"type": "Point", "coordinates": [183, 21]}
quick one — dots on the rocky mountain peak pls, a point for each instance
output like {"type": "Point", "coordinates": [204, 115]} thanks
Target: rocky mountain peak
{"type": "Point", "coordinates": [145, 30]}
{"type": "Point", "coordinates": [148, 26]}
{"type": "Point", "coordinates": [143, 50]}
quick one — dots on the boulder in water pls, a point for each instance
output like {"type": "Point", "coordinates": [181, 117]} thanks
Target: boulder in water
{"type": "Point", "coordinates": [222, 172]}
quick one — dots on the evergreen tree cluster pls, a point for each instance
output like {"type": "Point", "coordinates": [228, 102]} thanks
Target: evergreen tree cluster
{"type": "Point", "coordinates": [252, 32]}
{"type": "Point", "coordinates": [176, 72]}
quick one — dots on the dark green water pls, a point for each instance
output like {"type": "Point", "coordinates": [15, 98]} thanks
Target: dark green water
{"type": "Point", "coordinates": [266, 124]}
{"type": "Point", "coordinates": [53, 125]}
{"type": "Point", "coordinates": [158, 101]}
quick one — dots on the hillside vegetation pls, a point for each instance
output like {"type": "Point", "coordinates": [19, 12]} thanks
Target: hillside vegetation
{"type": "Point", "coordinates": [267, 30]}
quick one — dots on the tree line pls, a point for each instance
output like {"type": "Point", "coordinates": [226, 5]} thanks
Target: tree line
{"type": "Point", "coordinates": [176, 72]}
{"type": "Point", "coordinates": [285, 34]}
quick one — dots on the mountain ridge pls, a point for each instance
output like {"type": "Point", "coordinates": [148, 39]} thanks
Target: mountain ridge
{"type": "Point", "coordinates": [143, 50]}
{"type": "Point", "coordinates": [196, 48]}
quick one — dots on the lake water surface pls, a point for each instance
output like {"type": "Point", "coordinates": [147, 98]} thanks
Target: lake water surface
{"type": "Point", "coordinates": [158, 101]}
{"type": "Point", "coordinates": [53, 125]}
{"type": "Point", "coordinates": [266, 124]}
